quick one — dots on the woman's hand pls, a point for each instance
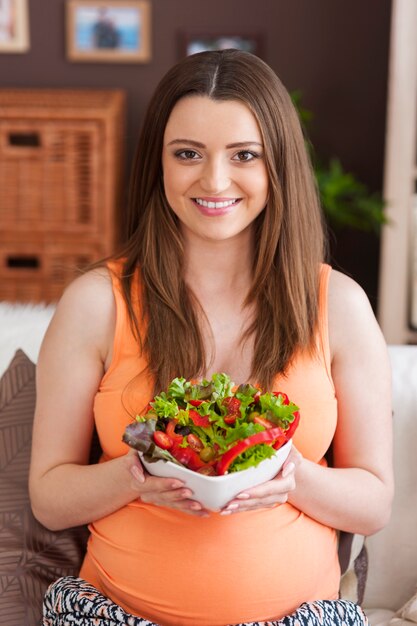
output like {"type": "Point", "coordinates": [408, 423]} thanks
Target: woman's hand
{"type": "Point", "coordinates": [269, 494]}
{"type": "Point", "coordinates": [169, 492]}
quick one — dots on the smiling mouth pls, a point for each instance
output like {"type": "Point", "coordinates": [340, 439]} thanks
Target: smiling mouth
{"type": "Point", "coordinates": [224, 204]}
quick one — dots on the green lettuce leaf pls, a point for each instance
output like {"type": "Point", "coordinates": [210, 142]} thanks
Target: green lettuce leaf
{"type": "Point", "coordinates": [252, 457]}
{"type": "Point", "coordinates": [177, 388]}
{"type": "Point", "coordinates": [277, 412]}
{"type": "Point", "coordinates": [164, 406]}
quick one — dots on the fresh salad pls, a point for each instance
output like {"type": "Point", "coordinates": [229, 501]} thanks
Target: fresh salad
{"type": "Point", "coordinates": [212, 426]}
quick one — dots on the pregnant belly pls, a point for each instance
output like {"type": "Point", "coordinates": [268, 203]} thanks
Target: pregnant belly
{"type": "Point", "coordinates": [177, 570]}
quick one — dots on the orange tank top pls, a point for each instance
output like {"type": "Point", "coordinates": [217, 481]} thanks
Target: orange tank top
{"type": "Point", "coordinates": [178, 570]}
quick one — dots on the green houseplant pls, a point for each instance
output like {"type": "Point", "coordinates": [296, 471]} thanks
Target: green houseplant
{"type": "Point", "coordinates": [346, 201]}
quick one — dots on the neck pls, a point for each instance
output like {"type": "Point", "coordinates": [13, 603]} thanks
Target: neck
{"type": "Point", "coordinates": [219, 265]}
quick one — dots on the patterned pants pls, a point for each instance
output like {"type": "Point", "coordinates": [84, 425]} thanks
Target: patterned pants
{"type": "Point", "coordinates": [73, 602]}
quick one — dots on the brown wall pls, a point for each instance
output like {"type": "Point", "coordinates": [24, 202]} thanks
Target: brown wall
{"type": "Point", "coordinates": [334, 51]}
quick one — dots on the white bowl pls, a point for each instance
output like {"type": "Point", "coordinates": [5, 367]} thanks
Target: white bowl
{"type": "Point", "coordinates": [214, 492]}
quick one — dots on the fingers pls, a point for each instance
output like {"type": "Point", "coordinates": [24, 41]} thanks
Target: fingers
{"type": "Point", "coordinates": [164, 491]}
{"type": "Point", "coordinates": [137, 473]}
{"type": "Point", "coordinates": [293, 458]}
{"type": "Point", "coordinates": [161, 491]}
{"type": "Point", "coordinates": [270, 494]}
{"type": "Point", "coordinates": [288, 469]}
{"type": "Point", "coordinates": [172, 493]}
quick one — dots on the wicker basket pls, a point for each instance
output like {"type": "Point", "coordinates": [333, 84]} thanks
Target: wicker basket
{"type": "Point", "coordinates": [61, 169]}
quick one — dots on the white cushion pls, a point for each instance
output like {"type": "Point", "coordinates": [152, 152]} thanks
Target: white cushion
{"type": "Point", "coordinates": [22, 326]}
{"type": "Point", "coordinates": [392, 572]}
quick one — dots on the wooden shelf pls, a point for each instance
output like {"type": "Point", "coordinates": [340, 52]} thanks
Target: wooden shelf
{"type": "Point", "coordinates": [61, 168]}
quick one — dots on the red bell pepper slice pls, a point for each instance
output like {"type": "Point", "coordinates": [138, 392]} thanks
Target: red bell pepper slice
{"type": "Point", "coordinates": [187, 456]}
{"type": "Point", "coordinates": [292, 427]}
{"type": "Point", "coordinates": [280, 441]}
{"type": "Point", "coordinates": [258, 419]}
{"type": "Point", "coordinates": [195, 402]}
{"type": "Point", "coordinates": [285, 399]}
{"type": "Point", "coordinates": [170, 431]}
{"type": "Point", "coordinates": [197, 419]}
{"type": "Point", "coordinates": [265, 436]}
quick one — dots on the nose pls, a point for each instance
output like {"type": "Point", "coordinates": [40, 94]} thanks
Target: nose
{"type": "Point", "coordinates": [215, 176]}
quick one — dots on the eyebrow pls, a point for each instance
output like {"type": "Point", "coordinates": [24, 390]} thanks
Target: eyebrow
{"type": "Point", "coordinates": [198, 144]}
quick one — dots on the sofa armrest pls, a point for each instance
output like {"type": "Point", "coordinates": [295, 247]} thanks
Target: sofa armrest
{"type": "Point", "coordinates": [392, 576]}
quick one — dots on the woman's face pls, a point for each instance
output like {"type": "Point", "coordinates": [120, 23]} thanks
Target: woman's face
{"type": "Point", "coordinates": [215, 175]}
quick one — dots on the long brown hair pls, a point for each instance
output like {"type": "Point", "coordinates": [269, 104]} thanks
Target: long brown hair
{"type": "Point", "coordinates": [289, 239]}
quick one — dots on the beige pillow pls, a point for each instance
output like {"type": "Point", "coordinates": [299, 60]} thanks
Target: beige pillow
{"type": "Point", "coordinates": [407, 612]}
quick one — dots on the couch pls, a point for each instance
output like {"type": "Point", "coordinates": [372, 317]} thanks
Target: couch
{"type": "Point", "coordinates": [31, 556]}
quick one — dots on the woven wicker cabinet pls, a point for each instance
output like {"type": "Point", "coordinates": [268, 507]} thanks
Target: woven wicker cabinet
{"type": "Point", "coordinates": [61, 176]}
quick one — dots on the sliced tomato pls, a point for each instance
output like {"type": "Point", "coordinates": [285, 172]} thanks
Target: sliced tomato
{"type": "Point", "coordinates": [162, 440]}
{"type": "Point", "coordinates": [233, 409]}
{"type": "Point", "coordinates": [232, 405]}
{"type": "Point", "coordinates": [195, 442]}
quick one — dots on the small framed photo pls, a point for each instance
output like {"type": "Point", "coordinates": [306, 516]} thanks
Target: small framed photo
{"type": "Point", "coordinates": [191, 44]}
{"type": "Point", "coordinates": [109, 31]}
{"type": "Point", "coordinates": [14, 26]}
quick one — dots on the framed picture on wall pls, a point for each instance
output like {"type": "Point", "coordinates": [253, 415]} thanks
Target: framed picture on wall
{"type": "Point", "coordinates": [109, 31]}
{"type": "Point", "coordinates": [191, 44]}
{"type": "Point", "coordinates": [14, 26]}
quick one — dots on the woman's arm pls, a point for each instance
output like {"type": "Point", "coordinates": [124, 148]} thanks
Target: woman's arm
{"type": "Point", "coordinates": [356, 494]}
{"type": "Point", "coordinates": [65, 491]}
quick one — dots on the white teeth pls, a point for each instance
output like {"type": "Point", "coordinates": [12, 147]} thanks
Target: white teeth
{"type": "Point", "coordinates": [215, 205]}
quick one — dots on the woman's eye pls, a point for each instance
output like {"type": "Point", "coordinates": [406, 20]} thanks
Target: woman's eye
{"type": "Point", "coordinates": [245, 155]}
{"type": "Point", "coordinates": [187, 155]}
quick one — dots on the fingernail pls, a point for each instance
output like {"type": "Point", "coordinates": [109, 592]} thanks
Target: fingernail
{"type": "Point", "coordinates": [137, 474]}
{"type": "Point", "coordinates": [243, 496]}
{"type": "Point", "coordinates": [288, 469]}
{"type": "Point", "coordinates": [225, 512]}
{"type": "Point", "coordinates": [176, 484]}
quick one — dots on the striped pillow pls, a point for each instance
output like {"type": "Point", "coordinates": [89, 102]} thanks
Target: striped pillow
{"type": "Point", "coordinates": [31, 557]}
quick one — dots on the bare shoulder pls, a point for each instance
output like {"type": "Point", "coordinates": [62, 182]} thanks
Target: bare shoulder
{"type": "Point", "coordinates": [351, 319]}
{"type": "Point", "coordinates": [86, 312]}
{"type": "Point", "coordinates": [93, 288]}
{"type": "Point", "coordinates": [344, 291]}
